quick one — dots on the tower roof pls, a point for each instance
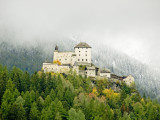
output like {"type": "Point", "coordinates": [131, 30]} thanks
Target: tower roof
{"type": "Point", "coordinates": [82, 45]}
{"type": "Point", "coordinates": [56, 48]}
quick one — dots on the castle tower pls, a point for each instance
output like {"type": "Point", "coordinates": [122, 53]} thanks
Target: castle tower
{"type": "Point", "coordinates": [83, 52]}
{"type": "Point", "coordinates": [55, 56]}
{"type": "Point", "coordinates": [56, 48]}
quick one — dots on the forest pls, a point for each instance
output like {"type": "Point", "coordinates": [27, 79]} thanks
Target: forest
{"type": "Point", "coordinates": [53, 96]}
{"type": "Point", "coordinates": [31, 58]}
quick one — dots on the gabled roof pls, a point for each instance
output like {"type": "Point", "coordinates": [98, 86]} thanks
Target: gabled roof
{"type": "Point", "coordinates": [104, 71]}
{"type": "Point", "coordinates": [82, 45]}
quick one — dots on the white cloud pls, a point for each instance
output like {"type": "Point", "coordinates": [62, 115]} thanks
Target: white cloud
{"type": "Point", "coordinates": [130, 26]}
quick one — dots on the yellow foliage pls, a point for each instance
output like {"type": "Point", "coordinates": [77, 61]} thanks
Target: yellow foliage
{"type": "Point", "coordinates": [52, 73]}
{"type": "Point", "coordinates": [39, 73]}
{"type": "Point", "coordinates": [94, 90]}
{"type": "Point", "coordinates": [57, 62]}
{"type": "Point", "coordinates": [110, 93]}
{"type": "Point", "coordinates": [142, 100]}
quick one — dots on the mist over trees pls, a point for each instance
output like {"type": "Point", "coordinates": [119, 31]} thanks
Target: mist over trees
{"type": "Point", "coordinates": [31, 58]}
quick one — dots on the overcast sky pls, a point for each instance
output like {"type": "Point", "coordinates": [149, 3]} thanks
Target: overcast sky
{"type": "Point", "coordinates": [131, 26]}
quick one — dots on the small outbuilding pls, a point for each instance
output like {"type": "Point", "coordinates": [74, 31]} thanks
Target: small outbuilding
{"type": "Point", "coordinates": [105, 73]}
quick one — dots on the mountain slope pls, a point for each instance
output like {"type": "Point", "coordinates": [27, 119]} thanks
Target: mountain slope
{"type": "Point", "coordinates": [31, 59]}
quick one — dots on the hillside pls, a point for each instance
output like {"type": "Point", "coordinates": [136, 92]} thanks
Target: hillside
{"type": "Point", "coordinates": [69, 97]}
{"type": "Point", "coordinates": [31, 58]}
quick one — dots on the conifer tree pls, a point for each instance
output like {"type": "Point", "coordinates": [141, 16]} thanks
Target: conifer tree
{"type": "Point", "coordinates": [73, 115]}
{"type": "Point", "coordinates": [52, 94]}
{"type": "Point", "coordinates": [34, 113]}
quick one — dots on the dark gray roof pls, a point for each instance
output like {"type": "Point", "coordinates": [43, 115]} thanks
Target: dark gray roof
{"type": "Point", "coordinates": [82, 45]}
{"type": "Point", "coordinates": [104, 71]}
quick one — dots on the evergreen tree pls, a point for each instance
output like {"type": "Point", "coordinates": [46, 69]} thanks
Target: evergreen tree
{"type": "Point", "coordinates": [46, 115]}
{"type": "Point", "coordinates": [47, 101]}
{"type": "Point", "coordinates": [73, 115]}
{"type": "Point", "coordinates": [27, 105]}
{"type": "Point", "coordinates": [3, 81]}
{"type": "Point", "coordinates": [52, 94]}
{"type": "Point", "coordinates": [34, 113]}
{"type": "Point", "coordinates": [69, 96]}
{"type": "Point", "coordinates": [40, 103]}
{"type": "Point", "coordinates": [16, 76]}
{"type": "Point", "coordinates": [17, 112]}
{"type": "Point", "coordinates": [58, 116]}
{"type": "Point", "coordinates": [25, 82]}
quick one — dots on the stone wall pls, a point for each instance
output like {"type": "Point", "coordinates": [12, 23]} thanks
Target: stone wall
{"type": "Point", "coordinates": [91, 73]}
{"type": "Point", "coordinates": [129, 80]}
{"type": "Point", "coordinates": [108, 75]}
{"type": "Point", "coordinates": [50, 67]}
{"type": "Point", "coordinates": [64, 57]}
{"type": "Point", "coordinates": [83, 54]}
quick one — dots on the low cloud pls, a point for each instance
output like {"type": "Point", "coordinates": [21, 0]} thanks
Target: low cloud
{"type": "Point", "coordinates": [129, 26]}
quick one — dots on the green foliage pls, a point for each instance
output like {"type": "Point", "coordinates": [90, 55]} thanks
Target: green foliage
{"type": "Point", "coordinates": [82, 67]}
{"type": "Point", "coordinates": [17, 112]}
{"type": "Point", "coordinates": [73, 115]}
{"type": "Point", "coordinates": [70, 97]}
{"type": "Point", "coordinates": [34, 113]}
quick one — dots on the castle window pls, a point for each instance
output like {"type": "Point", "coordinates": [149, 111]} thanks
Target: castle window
{"type": "Point", "coordinates": [78, 59]}
{"type": "Point", "coordinates": [86, 51]}
{"type": "Point", "coordinates": [82, 59]}
{"type": "Point", "coordinates": [79, 51]}
{"type": "Point", "coordinates": [79, 54]}
{"type": "Point", "coordinates": [86, 59]}
{"type": "Point", "coordinates": [86, 54]}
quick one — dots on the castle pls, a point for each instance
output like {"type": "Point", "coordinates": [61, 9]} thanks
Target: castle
{"type": "Point", "coordinates": [80, 62]}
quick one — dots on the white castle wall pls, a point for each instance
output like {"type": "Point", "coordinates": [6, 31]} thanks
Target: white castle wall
{"type": "Point", "coordinates": [108, 75]}
{"type": "Point", "coordinates": [129, 80]}
{"type": "Point", "coordinates": [64, 57]}
{"type": "Point", "coordinates": [83, 54]}
{"type": "Point", "coordinates": [91, 73]}
{"type": "Point", "coordinates": [50, 67]}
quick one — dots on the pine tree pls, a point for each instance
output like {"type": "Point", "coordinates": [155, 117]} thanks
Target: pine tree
{"type": "Point", "coordinates": [34, 113]}
{"type": "Point", "coordinates": [58, 116]}
{"type": "Point", "coordinates": [69, 96]}
{"type": "Point", "coordinates": [73, 115]}
{"type": "Point", "coordinates": [27, 105]}
{"type": "Point", "coordinates": [40, 103]}
{"type": "Point", "coordinates": [32, 96]}
{"type": "Point", "coordinates": [17, 112]}
{"type": "Point", "coordinates": [3, 81]}
{"type": "Point", "coordinates": [47, 101]}
{"type": "Point", "coordinates": [52, 94]}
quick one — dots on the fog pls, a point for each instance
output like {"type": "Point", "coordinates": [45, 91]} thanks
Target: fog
{"type": "Point", "coordinates": [128, 26]}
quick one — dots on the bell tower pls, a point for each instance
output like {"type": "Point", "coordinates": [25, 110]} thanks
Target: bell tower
{"type": "Point", "coordinates": [56, 48]}
{"type": "Point", "coordinates": [55, 56]}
